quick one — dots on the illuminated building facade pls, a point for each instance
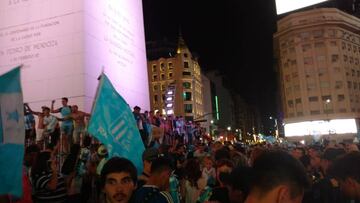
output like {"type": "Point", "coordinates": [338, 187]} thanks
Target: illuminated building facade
{"type": "Point", "coordinates": [318, 54]}
{"type": "Point", "coordinates": [180, 68]}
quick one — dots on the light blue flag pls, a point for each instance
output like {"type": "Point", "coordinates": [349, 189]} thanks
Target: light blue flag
{"type": "Point", "coordinates": [12, 133]}
{"type": "Point", "coordinates": [113, 123]}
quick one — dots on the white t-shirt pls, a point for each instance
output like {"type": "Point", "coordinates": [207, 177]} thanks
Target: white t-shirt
{"type": "Point", "coordinates": [50, 123]}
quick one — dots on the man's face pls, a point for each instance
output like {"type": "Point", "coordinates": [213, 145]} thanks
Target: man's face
{"type": "Point", "coordinates": [119, 187]}
{"type": "Point", "coordinates": [63, 102]}
{"type": "Point", "coordinates": [74, 108]}
{"type": "Point", "coordinates": [296, 153]}
{"type": "Point", "coordinates": [46, 112]}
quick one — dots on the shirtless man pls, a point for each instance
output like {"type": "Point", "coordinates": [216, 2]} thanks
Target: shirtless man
{"type": "Point", "coordinates": [79, 118]}
{"type": "Point", "coordinates": [40, 126]}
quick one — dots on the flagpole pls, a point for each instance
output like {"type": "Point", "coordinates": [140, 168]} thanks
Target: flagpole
{"type": "Point", "coordinates": [100, 79]}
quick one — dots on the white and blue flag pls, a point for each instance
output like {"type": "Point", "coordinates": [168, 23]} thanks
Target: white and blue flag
{"type": "Point", "coordinates": [12, 133]}
{"type": "Point", "coordinates": [113, 124]}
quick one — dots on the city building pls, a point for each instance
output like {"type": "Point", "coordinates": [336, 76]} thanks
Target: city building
{"type": "Point", "coordinates": [318, 53]}
{"type": "Point", "coordinates": [176, 66]}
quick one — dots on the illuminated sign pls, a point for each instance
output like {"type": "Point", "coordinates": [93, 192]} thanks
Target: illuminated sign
{"type": "Point", "coordinates": [321, 127]}
{"type": "Point", "coordinates": [65, 45]}
{"type": "Point", "coordinates": [284, 6]}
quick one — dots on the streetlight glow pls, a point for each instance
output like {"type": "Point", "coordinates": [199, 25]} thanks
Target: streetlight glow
{"type": "Point", "coordinates": [228, 128]}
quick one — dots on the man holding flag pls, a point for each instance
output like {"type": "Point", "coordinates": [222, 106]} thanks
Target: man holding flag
{"type": "Point", "coordinates": [12, 133]}
{"type": "Point", "coordinates": [113, 124]}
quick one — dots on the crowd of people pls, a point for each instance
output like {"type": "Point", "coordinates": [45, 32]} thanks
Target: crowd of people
{"type": "Point", "coordinates": [179, 166]}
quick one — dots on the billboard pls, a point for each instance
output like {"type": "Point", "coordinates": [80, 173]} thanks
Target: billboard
{"type": "Point", "coordinates": [284, 6]}
{"type": "Point", "coordinates": [65, 45]}
{"type": "Point", "coordinates": [321, 127]}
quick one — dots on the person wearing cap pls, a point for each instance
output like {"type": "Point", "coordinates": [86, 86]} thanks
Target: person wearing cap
{"type": "Point", "coordinates": [148, 156]}
{"type": "Point", "coordinates": [103, 156]}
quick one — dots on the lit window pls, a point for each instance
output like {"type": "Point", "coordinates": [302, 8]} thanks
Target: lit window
{"type": "Point", "coordinates": [187, 85]}
{"type": "Point", "coordinates": [162, 67]}
{"type": "Point", "coordinates": [187, 96]}
{"type": "Point", "coordinates": [188, 108]}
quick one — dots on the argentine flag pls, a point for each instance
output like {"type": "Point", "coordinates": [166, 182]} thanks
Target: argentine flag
{"type": "Point", "coordinates": [12, 133]}
{"type": "Point", "coordinates": [112, 123]}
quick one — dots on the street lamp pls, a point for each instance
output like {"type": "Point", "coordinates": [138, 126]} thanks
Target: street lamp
{"type": "Point", "coordinates": [229, 128]}
{"type": "Point", "coordinates": [212, 121]}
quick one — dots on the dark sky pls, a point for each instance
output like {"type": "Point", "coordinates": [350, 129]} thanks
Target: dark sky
{"type": "Point", "coordinates": [232, 36]}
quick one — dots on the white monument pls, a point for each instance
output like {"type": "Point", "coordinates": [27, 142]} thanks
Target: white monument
{"type": "Point", "coordinates": [65, 44]}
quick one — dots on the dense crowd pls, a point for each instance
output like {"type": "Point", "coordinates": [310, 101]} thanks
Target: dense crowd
{"type": "Point", "coordinates": [179, 165]}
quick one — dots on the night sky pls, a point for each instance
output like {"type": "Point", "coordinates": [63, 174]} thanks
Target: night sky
{"type": "Point", "coordinates": [232, 36]}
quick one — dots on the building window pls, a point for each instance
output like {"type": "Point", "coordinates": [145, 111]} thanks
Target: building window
{"type": "Point", "coordinates": [170, 65]}
{"type": "Point", "coordinates": [338, 85]}
{"type": "Point", "coordinates": [185, 55]}
{"type": "Point", "coordinates": [153, 68]}
{"type": "Point", "coordinates": [155, 87]}
{"type": "Point", "coordinates": [299, 113]}
{"type": "Point", "coordinates": [304, 36]}
{"type": "Point", "coordinates": [293, 62]}
{"type": "Point", "coordinates": [343, 45]}
{"type": "Point", "coordinates": [332, 33]}
{"type": "Point", "coordinates": [170, 75]}
{"type": "Point", "coordinates": [324, 84]}
{"type": "Point", "coordinates": [290, 103]}
{"type": "Point", "coordinates": [333, 43]}
{"type": "Point", "coordinates": [341, 97]}
{"type": "Point", "coordinates": [186, 64]}
{"type": "Point", "coordinates": [326, 97]}
{"type": "Point", "coordinates": [162, 76]}
{"type": "Point", "coordinates": [155, 98]}
{"type": "Point", "coordinates": [334, 58]}
{"type": "Point", "coordinates": [308, 60]}
{"type": "Point", "coordinates": [306, 47]}
{"type": "Point", "coordinates": [313, 99]}
{"type": "Point", "coordinates": [155, 77]}
{"type": "Point", "coordinates": [321, 58]}
{"type": "Point", "coordinates": [319, 44]}
{"type": "Point", "coordinates": [187, 85]}
{"type": "Point", "coordinates": [163, 87]}
{"type": "Point", "coordinates": [186, 73]}
{"type": "Point", "coordinates": [298, 101]}
{"type": "Point", "coordinates": [328, 111]}
{"type": "Point", "coordinates": [318, 34]}
{"type": "Point", "coordinates": [188, 108]}
{"type": "Point", "coordinates": [162, 66]}
{"type": "Point", "coordinates": [343, 110]}
{"type": "Point", "coordinates": [311, 86]}
{"type": "Point", "coordinates": [345, 58]}
{"type": "Point", "coordinates": [317, 112]}
{"type": "Point", "coordinates": [187, 96]}
{"type": "Point", "coordinates": [355, 85]}
{"type": "Point", "coordinates": [337, 69]}
{"type": "Point", "coordinates": [349, 84]}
